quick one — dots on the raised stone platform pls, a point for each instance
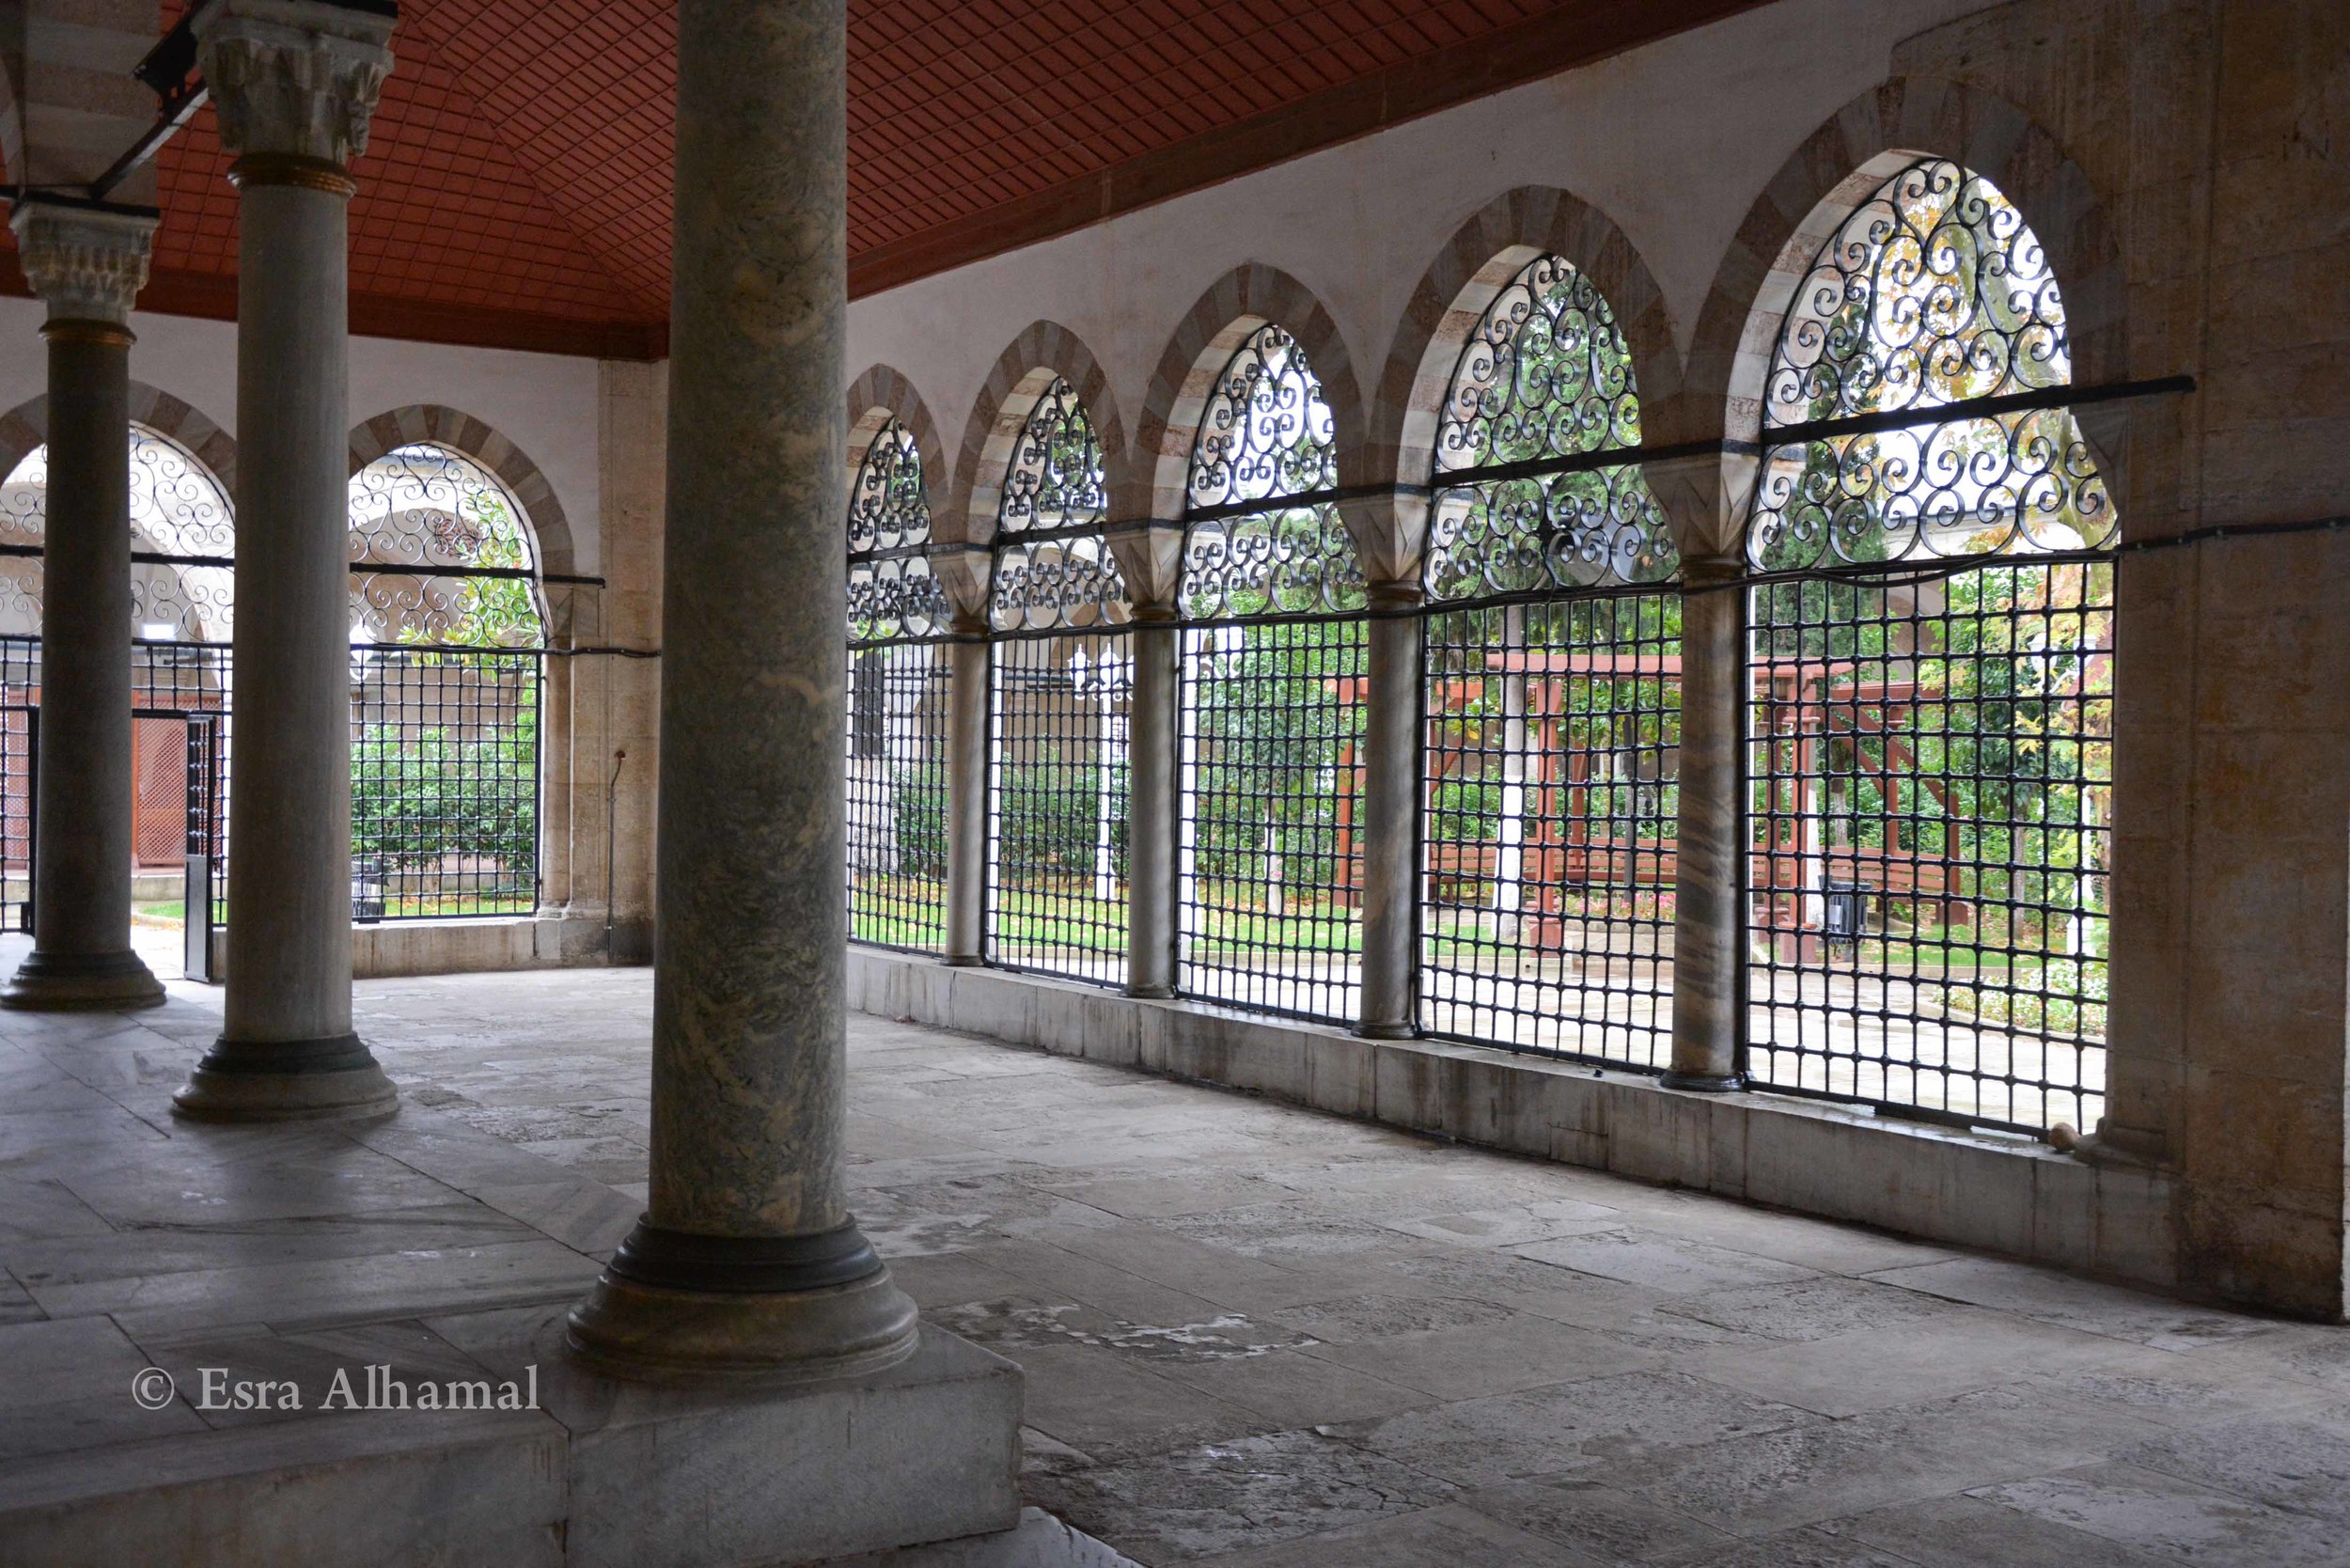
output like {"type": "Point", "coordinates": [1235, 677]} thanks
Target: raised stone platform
{"type": "Point", "coordinates": [332, 1344]}
{"type": "Point", "coordinates": [601, 1473]}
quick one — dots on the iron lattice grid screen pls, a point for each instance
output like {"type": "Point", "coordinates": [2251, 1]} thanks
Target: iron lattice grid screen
{"type": "Point", "coordinates": [899, 714]}
{"type": "Point", "coordinates": [1930, 778]}
{"type": "Point", "coordinates": [443, 781]}
{"type": "Point", "coordinates": [1057, 793]}
{"type": "Point", "coordinates": [1270, 865]}
{"type": "Point", "coordinates": [1549, 812]}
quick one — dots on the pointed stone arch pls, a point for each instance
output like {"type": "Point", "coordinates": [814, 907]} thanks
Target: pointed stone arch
{"type": "Point", "coordinates": [1043, 351]}
{"type": "Point", "coordinates": [1233, 306]}
{"type": "Point", "coordinates": [460, 432]}
{"type": "Point", "coordinates": [1825, 180]}
{"type": "Point", "coordinates": [1480, 261]}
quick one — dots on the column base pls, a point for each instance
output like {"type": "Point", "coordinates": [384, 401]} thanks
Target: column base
{"type": "Point", "coordinates": [964, 960]}
{"type": "Point", "coordinates": [1152, 992]}
{"type": "Point", "coordinates": [1384, 1031]}
{"type": "Point", "coordinates": [286, 1080]}
{"type": "Point", "coordinates": [1705, 1083]}
{"type": "Point", "coordinates": [82, 982]}
{"type": "Point", "coordinates": [675, 1307]}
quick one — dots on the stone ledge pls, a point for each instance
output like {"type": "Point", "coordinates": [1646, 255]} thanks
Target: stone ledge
{"type": "Point", "coordinates": [393, 950]}
{"type": "Point", "coordinates": [603, 1473]}
{"type": "Point", "coordinates": [1994, 1194]}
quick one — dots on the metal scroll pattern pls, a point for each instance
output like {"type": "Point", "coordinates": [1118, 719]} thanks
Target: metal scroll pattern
{"type": "Point", "coordinates": [892, 594]}
{"type": "Point", "coordinates": [1933, 293]}
{"type": "Point", "coordinates": [1053, 568]}
{"type": "Point", "coordinates": [1055, 478]}
{"type": "Point", "coordinates": [183, 542]}
{"type": "Point", "coordinates": [1545, 375]}
{"type": "Point", "coordinates": [419, 507]}
{"type": "Point", "coordinates": [1265, 435]}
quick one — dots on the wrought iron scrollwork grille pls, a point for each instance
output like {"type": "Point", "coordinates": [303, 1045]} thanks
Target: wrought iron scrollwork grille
{"type": "Point", "coordinates": [1053, 568]}
{"type": "Point", "coordinates": [1269, 873]}
{"type": "Point", "coordinates": [1551, 693]}
{"type": "Point", "coordinates": [898, 703]}
{"type": "Point", "coordinates": [1931, 749]}
{"type": "Point", "coordinates": [1062, 685]}
{"type": "Point", "coordinates": [1266, 436]}
{"type": "Point", "coordinates": [182, 541]}
{"type": "Point", "coordinates": [892, 595]}
{"type": "Point", "coordinates": [1933, 295]}
{"type": "Point", "coordinates": [1546, 374]}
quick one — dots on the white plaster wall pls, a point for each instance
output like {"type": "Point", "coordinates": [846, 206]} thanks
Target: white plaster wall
{"type": "Point", "coordinates": [1673, 141]}
{"type": "Point", "coordinates": [544, 403]}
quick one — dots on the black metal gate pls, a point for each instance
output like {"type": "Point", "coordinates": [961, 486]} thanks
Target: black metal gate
{"type": "Point", "coordinates": [207, 833]}
{"type": "Point", "coordinates": [20, 778]}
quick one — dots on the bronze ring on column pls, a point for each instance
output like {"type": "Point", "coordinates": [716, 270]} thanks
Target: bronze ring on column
{"type": "Point", "coordinates": [83, 329]}
{"type": "Point", "coordinates": [293, 168]}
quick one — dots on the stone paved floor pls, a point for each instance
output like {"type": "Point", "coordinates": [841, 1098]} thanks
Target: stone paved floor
{"type": "Point", "coordinates": [1253, 1335]}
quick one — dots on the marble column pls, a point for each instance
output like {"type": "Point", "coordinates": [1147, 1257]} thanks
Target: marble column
{"type": "Point", "coordinates": [747, 1264]}
{"type": "Point", "coordinates": [1150, 558]}
{"type": "Point", "coordinates": [86, 263]}
{"type": "Point", "coordinates": [1392, 746]}
{"type": "Point", "coordinates": [293, 83]}
{"type": "Point", "coordinates": [1709, 910]}
{"type": "Point", "coordinates": [966, 791]}
{"type": "Point", "coordinates": [1153, 718]}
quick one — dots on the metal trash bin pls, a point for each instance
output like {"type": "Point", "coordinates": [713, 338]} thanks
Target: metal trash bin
{"type": "Point", "coordinates": [368, 878]}
{"type": "Point", "coordinates": [1844, 910]}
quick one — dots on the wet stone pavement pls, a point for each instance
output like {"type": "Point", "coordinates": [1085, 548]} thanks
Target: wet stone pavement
{"type": "Point", "coordinates": [1253, 1335]}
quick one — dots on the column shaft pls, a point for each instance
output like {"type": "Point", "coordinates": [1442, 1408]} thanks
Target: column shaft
{"type": "Point", "coordinates": [967, 799]}
{"type": "Point", "coordinates": [1709, 921]}
{"type": "Point", "coordinates": [289, 798]}
{"type": "Point", "coordinates": [1392, 743]}
{"type": "Point", "coordinates": [82, 833]}
{"type": "Point", "coordinates": [747, 1262]}
{"type": "Point", "coordinates": [1152, 720]}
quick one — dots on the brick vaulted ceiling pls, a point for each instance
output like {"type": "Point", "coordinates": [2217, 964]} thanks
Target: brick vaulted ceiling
{"type": "Point", "coordinates": [516, 191]}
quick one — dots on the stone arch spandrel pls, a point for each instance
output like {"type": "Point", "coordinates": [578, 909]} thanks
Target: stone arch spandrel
{"type": "Point", "coordinates": [1044, 351]}
{"type": "Point", "coordinates": [1235, 306]}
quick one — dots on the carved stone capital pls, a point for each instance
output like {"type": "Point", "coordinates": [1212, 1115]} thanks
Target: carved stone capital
{"type": "Point", "coordinates": [85, 263]}
{"type": "Point", "coordinates": [962, 571]}
{"type": "Point", "coordinates": [293, 78]}
{"type": "Point", "coordinates": [1151, 559]}
{"type": "Point", "coordinates": [1389, 529]}
{"type": "Point", "coordinates": [1703, 506]}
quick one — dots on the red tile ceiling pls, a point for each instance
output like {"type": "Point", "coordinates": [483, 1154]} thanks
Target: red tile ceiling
{"type": "Point", "coordinates": [516, 188]}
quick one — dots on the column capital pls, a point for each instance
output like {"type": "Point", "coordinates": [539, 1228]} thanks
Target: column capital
{"type": "Point", "coordinates": [1389, 528]}
{"type": "Point", "coordinates": [87, 262]}
{"type": "Point", "coordinates": [1704, 506]}
{"type": "Point", "coordinates": [1149, 557]}
{"type": "Point", "coordinates": [294, 79]}
{"type": "Point", "coordinates": [962, 572]}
